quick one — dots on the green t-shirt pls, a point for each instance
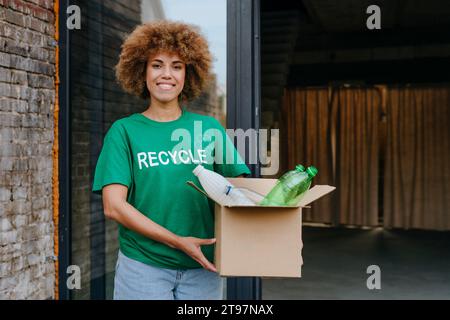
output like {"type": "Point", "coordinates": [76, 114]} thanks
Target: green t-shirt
{"type": "Point", "coordinates": [154, 160]}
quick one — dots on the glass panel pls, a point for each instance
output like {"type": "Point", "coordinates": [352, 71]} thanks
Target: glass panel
{"type": "Point", "coordinates": [97, 101]}
{"type": "Point", "coordinates": [210, 17]}
{"type": "Point", "coordinates": [369, 113]}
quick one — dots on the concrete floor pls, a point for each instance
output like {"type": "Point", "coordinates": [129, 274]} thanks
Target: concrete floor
{"type": "Point", "coordinates": [414, 265]}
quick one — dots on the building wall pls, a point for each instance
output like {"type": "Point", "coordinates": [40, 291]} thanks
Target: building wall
{"type": "Point", "coordinates": [210, 102]}
{"type": "Point", "coordinates": [97, 101]}
{"type": "Point", "coordinates": [27, 93]}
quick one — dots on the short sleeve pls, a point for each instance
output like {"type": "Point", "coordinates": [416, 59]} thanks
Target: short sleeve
{"type": "Point", "coordinates": [231, 163]}
{"type": "Point", "coordinates": [114, 163]}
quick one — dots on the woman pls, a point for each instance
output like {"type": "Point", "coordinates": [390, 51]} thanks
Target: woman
{"type": "Point", "coordinates": [166, 228]}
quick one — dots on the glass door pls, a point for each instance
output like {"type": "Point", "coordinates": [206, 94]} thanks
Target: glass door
{"type": "Point", "coordinates": [96, 101]}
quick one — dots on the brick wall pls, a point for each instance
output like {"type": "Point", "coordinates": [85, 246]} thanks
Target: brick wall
{"type": "Point", "coordinates": [27, 65]}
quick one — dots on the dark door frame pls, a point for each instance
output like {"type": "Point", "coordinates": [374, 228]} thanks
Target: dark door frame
{"type": "Point", "coordinates": [243, 100]}
{"type": "Point", "coordinates": [97, 254]}
{"type": "Point", "coordinates": [65, 172]}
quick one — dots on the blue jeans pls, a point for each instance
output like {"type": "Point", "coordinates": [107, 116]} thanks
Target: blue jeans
{"type": "Point", "coordinates": [135, 280]}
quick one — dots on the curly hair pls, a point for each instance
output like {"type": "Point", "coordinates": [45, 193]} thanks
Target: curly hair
{"type": "Point", "coordinates": [164, 36]}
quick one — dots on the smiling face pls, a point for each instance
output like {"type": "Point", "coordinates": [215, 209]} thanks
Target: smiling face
{"type": "Point", "coordinates": [165, 76]}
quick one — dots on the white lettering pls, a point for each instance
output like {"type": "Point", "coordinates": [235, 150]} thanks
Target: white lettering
{"type": "Point", "coordinates": [151, 156]}
{"type": "Point", "coordinates": [153, 159]}
{"type": "Point", "coordinates": [173, 156]}
{"type": "Point", "coordinates": [188, 310]}
{"type": "Point", "coordinates": [140, 159]}
{"type": "Point", "coordinates": [159, 157]}
{"type": "Point", "coordinates": [184, 152]}
{"type": "Point", "coordinates": [192, 157]}
{"type": "Point", "coordinates": [202, 155]}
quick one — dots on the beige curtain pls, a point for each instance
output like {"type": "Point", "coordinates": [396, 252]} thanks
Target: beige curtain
{"type": "Point", "coordinates": [336, 130]}
{"type": "Point", "coordinates": [417, 166]}
{"type": "Point", "coordinates": [357, 161]}
{"type": "Point", "coordinates": [386, 149]}
{"type": "Point", "coordinates": [305, 140]}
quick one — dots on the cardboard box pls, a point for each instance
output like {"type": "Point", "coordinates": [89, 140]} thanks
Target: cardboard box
{"type": "Point", "coordinates": [261, 241]}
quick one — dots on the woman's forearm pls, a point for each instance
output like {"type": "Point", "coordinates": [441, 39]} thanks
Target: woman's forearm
{"type": "Point", "coordinates": [132, 219]}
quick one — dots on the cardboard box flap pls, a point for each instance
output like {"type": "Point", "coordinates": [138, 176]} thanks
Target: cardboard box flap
{"type": "Point", "coordinates": [193, 185]}
{"type": "Point", "coordinates": [260, 185]}
{"type": "Point", "coordinates": [261, 206]}
{"type": "Point", "coordinates": [315, 193]}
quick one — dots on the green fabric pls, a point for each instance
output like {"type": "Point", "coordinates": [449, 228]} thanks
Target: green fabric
{"type": "Point", "coordinates": [140, 154]}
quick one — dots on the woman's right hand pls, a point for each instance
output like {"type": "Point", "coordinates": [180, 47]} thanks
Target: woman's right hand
{"type": "Point", "coordinates": [118, 209]}
{"type": "Point", "coordinates": [192, 247]}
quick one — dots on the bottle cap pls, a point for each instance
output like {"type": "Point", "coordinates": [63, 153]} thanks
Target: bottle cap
{"type": "Point", "coordinates": [312, 171]}
{"type": "Point", "coordinates": [299, 168]}
{"type": "Point", "coordinates": [197, 170]}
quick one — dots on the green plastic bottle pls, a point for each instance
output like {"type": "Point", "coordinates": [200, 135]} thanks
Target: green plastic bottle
{"type": "Point", "coordinates": [291, 187]}
{"type": "Point", "coordinates": [304, 185]}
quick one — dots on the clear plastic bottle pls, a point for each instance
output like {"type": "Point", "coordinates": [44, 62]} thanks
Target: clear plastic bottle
{"type": "Point", "coordinates": [291, 187]}
{"type": "Point", "coordinates": [253, 196]}
{"type": "Point", "coordinates": [218, 188]}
